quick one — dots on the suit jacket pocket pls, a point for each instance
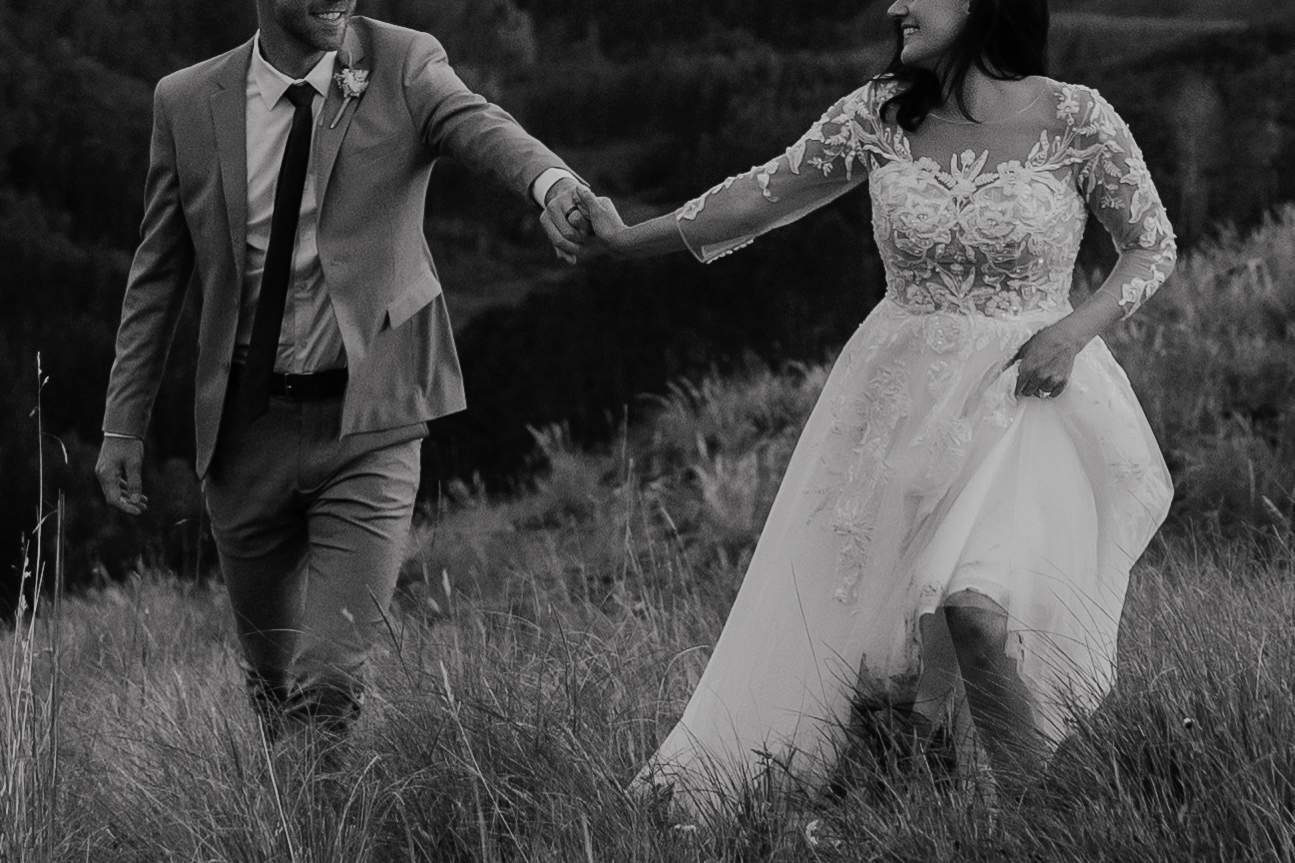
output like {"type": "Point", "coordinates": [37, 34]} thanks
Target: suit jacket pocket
{"type": "Point", "coordinates": [413, 299]}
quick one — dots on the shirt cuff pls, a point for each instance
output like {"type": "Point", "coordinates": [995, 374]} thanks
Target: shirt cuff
{"type": "Point", "coordinates": [546, 181]}
{"type": "Point", "coordinates": [122, 436]}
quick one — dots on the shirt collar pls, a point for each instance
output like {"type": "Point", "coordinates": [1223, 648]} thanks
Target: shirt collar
{"type": "Point", "coordinates": [272, 84]}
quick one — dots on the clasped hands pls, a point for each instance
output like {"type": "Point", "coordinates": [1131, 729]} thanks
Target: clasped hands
{"type": "Point", "coordinates": [579, 224]}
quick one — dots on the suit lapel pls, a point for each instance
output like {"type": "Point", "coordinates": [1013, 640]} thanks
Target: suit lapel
{"type": "Point", "coordinates": [329, 135]}
{"type": "Point", "coordinates": [229, 119]}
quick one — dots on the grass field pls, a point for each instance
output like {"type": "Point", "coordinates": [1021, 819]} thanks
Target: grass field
{"type": "Point", "coordinates": [505, 728]}
{"type": "Point", "coordinates": [542, 645]}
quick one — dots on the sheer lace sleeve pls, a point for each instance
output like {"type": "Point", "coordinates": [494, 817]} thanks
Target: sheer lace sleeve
{"type": "Point", "coordinates": [828, 161]}
{"type": "Point", "coordinates": [1114, 179]}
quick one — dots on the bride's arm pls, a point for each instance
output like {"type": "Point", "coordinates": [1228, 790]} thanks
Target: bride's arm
{"type": "Point", "coordinates": [1118, 188]}
{"type": "Point", "coordinates": [828, 161]}
{"type": "Point", "coordinates": [659, 236]}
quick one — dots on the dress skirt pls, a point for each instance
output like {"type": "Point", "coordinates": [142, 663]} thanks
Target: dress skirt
{"type": "Point", "coordinates": [918, 475]}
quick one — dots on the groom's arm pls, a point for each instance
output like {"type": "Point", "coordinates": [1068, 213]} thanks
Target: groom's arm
{"type": "Point", "coordinates": [155, 292]}
{"type": "Point", "coordinates": [453, 120]}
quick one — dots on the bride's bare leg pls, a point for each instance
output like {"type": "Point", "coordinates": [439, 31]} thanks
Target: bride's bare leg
{"type": "Point", "coordinates": [999, 702]}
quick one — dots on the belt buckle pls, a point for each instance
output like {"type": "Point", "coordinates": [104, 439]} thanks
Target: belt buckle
{"type": "Point", "coordinates": [288, 387]}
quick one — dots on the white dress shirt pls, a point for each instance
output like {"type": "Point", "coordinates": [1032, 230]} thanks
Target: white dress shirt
{"type": "Point", "coordinates": [310, 340]}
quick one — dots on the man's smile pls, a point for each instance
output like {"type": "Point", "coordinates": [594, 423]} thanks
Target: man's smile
{"type": "Point", "coordinates": [330, 16]}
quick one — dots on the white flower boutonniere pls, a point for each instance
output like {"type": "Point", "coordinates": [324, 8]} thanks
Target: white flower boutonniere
{"type": "Point", "coordinates": [352, 83]}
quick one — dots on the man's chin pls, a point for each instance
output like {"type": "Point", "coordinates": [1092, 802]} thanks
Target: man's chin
{"type": "Point", "coordinates": [319, 35]}
{"type": "Point", "coordinates": [329, 38]}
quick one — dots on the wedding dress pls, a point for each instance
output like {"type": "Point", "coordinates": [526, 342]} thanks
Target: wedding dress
{"type": "Point", "coordinates": [919, 474]}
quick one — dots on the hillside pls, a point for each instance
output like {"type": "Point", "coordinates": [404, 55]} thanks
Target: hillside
{"type": "Point", "coordinates": [1254, 11]}
{"type": "Point", "coordinates": [1210, 358]}
{"type": "Point", "coordinates": [543, 645]}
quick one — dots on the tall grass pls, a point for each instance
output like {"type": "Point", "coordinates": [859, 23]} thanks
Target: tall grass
{"type": "Point", "coordinates": [31, 697]}
{"type": "Point", "coordinates": [508, 730]}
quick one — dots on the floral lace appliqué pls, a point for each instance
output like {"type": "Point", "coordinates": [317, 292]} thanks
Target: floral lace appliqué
{"type": "Point", "coordinates": [959, 233]}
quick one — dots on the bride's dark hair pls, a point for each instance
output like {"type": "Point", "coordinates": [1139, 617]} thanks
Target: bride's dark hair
{"type": "Point", "coordinates": [1005, 39]}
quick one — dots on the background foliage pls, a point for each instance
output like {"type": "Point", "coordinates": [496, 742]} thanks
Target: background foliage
{"type": "Point", "coordinates": [652, 101]}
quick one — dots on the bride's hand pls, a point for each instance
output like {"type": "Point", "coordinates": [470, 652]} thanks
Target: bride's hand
{"type": "Point", "coordinates": [1047, 360]}
{"type": "Point", "coordinates": [605, 222]}
{"type": "Point", "coordinates": [598, 220]}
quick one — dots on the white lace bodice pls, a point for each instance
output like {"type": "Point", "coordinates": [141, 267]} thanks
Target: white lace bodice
{"type": "Point", "coordinates": [973, 218]}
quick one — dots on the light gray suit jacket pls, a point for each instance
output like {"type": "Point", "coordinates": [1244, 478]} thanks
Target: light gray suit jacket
{"type": "Point", "coordinates": [372, 172]}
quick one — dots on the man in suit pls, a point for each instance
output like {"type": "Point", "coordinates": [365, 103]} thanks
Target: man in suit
{"type": "Point", "coordinates": [287, 181]}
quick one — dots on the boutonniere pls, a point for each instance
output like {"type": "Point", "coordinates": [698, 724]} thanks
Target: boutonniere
{"type": "Point", "coordinates": [352, 83]}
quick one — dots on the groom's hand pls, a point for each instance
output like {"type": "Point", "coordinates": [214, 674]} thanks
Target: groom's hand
{"type": "Point", "coordinates": [565, 222]}
{"type": "Point", "coordinates": [120, 463]}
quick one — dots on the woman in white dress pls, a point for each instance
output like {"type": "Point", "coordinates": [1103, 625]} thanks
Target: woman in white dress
{"type": "Point", "coordinates": [955, 530]}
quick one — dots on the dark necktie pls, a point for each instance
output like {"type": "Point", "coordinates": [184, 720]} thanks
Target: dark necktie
{"type": "Point", "coordinates": [254, 386]}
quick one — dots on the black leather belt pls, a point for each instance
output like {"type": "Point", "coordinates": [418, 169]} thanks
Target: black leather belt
{"type": "Point", "coordinates": [306, 388]}
{"type": "Point", "coordinates": [302, 388]}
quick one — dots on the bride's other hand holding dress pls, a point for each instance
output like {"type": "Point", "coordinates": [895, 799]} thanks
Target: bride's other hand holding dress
{"type": "Point", "coordinates": [955, 529]}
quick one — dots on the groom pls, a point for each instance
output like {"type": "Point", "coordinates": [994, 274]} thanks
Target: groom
{"type": "Point", "coordinates": [287, 181]}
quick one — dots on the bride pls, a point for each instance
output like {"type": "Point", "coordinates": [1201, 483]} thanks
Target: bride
{"type": "Point", "coordinates": [954, 533]}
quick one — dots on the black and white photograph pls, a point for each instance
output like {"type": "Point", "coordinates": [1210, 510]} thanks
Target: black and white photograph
{"type": "Point", "coordinates": [591, 431]}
